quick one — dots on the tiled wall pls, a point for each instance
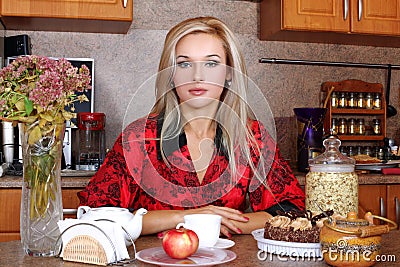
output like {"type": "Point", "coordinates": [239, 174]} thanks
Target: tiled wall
{"type": "Point", "coordinates": [124, 62]}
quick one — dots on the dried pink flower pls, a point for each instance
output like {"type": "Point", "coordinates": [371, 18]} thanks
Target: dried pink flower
{"type": "Point", "coordinates": [31, 85]}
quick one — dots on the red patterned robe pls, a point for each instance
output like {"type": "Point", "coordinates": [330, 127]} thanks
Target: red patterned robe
{"type": "Point", "coordinates": [134, 175]}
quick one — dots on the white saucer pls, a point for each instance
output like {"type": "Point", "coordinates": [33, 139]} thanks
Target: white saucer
{"type": "Point", "coordinates": [203, 257]}
{"type": "Point", "coordinates": [224, 243]}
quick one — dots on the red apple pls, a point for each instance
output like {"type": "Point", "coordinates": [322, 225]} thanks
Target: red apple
{"type": "Point", "coordinates": [180, 243]}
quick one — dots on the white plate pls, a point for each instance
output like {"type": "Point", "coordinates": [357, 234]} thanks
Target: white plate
{"type": "Point", "coordinates": [203, 257]}
{"type": "Point", "coordinates": [283, 248]}
{"type": "Point", "coordinates": [224, 243]}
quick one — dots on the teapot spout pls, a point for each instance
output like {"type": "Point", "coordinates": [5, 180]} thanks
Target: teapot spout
{"type": "Point", "coordinates": [140, 212]}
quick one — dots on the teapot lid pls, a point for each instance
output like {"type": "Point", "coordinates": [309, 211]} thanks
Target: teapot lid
{"type": "Point", "coordinates": [332, 160]}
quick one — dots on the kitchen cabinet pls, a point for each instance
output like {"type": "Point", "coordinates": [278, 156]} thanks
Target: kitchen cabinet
{"type": "Point", "coordinates": [107, 16]}
{"type": "Point", "coordinates": [10, 201]}
{"type": "Point", "coordinates": [382, 200]}
{"type": "Point", "coordinates": [331, 21]}
{"type": "Point", "coordinates": [367, 115]}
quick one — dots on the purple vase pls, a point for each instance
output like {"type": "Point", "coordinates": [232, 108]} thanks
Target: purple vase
{"type": "Point", "coordinates": [310, 134]}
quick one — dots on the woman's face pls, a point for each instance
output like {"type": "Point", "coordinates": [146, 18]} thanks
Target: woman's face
{"type": "Point", "coordinates": [201, 70]}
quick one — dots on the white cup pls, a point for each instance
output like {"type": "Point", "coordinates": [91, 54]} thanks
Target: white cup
{"type": "Point", "coordinates": [206, 226]}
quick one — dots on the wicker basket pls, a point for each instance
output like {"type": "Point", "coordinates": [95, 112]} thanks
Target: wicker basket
{"type": "Point", "coordinates": [86, 249]}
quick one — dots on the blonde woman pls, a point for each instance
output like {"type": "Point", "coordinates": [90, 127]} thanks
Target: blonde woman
{"type": "Point", "coordinates": [201, 149]}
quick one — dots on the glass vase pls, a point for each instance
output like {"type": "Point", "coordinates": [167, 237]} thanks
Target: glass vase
{"type": "Point", "coordinates": [41, 202]}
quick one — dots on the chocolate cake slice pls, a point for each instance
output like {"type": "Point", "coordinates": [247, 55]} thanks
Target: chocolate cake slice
{"type": "Point", "coordinates": [295, 226]}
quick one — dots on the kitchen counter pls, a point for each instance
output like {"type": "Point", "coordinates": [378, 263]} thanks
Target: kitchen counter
{"type": "Point", "coordinates": [69, 179]}
{"type": "Point", "coordinates": [11, 254]}
{"type": "Point", "coordinates": [79, 179]}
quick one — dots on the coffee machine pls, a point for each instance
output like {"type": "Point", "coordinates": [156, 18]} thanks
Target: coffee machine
{"type": "Point", "coordinates": [89, 147]}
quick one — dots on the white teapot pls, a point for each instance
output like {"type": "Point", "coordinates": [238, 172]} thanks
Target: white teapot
{"type": "Point", "coordinates": [132, 224]}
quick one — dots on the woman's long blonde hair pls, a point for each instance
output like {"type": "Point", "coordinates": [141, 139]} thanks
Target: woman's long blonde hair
{"type": "Point", "coordinates": [234, 112]}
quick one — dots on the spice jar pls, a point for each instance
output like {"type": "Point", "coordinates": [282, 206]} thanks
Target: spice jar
{"type": "Point", "coordinates": [360, 127]}
{"type": "Point", "coordinates": [353, 242]}
{"type": "Point", "coordinates": [376, 126]}
{"type": "Point", "coordinates": [351, 126]}
{"type": "Point", "coordinates": [334, 100]}
{"type": "Point", "coordinates": [342, 129]}
{"type": "Point", "coordinates": [342, 100]}
{"type": "Point", "coordinates": [331, 183]}
{"type": "Point", "coordinates": [377, 101]}
{"type": "Point", "coordinates": [369, 101]}
{"type": "Point", "coordinates": [359, 150]}
{"type": "Point", "coordinates": [335, 126]}
{"type": "Point", "coordinates": [360, 101]}
{"type": "Point", "coordinates": [351, 100]}
{"type": "Point", "coordinates": [368, 151]}
{"type": "Point", "coordinates": [351, 151]}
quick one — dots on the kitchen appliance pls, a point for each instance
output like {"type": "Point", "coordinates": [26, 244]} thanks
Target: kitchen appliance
{"type": "Point", "coordinates": [8, 141]}
{"type": "Point", "coordinates": [89, 147]}
{"type": "Point", "coordinates": [17, 45]}
{"type": "Point", "coordinates": [11, 145]}
{"type": "Point", "coordinates": [310, 122]}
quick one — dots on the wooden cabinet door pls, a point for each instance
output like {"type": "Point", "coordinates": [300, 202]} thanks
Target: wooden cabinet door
{"type": "Point", "coordinates": [321, 15]}
{"type": "Point", "coordinates": [10, 206]}
{"type": "Point", "coordinates": [376, 17]}
{"type": "Point", "coordinates": [371, 198]}
{"type": "Point", "coordinates": [393, 203]}
{"type": "Point", "coordinates": [70, 202]}
{"type": "Point", "coordinates": [82, 9]}
{"type": "Point", "coordinates": [102, 16]}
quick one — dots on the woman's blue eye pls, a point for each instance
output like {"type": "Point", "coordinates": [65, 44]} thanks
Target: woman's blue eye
{"type": "Point", "coordinates": [211, 64]}
{"type": "Point", "coordinates": [184, 64]}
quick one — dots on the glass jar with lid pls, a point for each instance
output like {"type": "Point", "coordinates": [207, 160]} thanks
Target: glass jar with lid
{"type": "Point", "coordinates": [334, 100]}
{"type": "Point", "coordinates": [342, 100]}
{"type": "Point", "coordinates": [360, 129]}
{"type": "Point", "coordinates": [376, 126]}
{"type": "Point", "coordinates": [377, 101]}
{"type": "Point", "coordinates": [351, 126]}
{"type": "Point", "coordinates": [335, 126]}
{"type": "Point", "coordinates": [342, 127]}
{"type": "Point", "coordinates": [332, 182]}
{"type": "Point", "coordinates": [351, 100]}
{"type": "Point", "coordinates": [369, 101]}
{"type": "Point", "coordinates": [360, 100]}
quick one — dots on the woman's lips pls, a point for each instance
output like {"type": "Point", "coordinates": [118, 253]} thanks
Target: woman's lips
{"type": "Point", "coordinates": [197, 91]}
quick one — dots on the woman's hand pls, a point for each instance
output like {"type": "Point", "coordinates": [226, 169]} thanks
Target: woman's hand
{"type": "Point", "coordinates": [230, 218]}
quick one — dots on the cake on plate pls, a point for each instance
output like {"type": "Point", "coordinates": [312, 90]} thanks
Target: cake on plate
{"type": "Point", "coordinates": [295, 226]}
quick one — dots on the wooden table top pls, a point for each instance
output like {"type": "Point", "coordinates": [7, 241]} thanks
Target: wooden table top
{"type": "Point", "coordinates": [12, 254]}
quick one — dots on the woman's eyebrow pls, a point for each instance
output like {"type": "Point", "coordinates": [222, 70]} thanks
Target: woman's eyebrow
{"type": "Point", "coordinates": [208, 56]}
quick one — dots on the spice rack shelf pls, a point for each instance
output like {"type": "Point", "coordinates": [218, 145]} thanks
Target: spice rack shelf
{"type": "Point", "coordinates": [356, 86]}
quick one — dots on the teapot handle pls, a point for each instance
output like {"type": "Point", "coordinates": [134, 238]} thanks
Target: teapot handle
{"type": "Point", "coordinates": [367, 231]}
{"type": "Point", "coordinates": [82, 210]}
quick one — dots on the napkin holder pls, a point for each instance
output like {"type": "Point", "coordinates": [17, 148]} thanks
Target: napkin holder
{"type": "Point", "coordinates": [86, 248]}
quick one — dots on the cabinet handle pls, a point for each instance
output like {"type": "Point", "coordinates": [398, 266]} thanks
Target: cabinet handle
{"type": "Point", "coordinates": [346, 9]}
{"type": "Point", "coordinates": [382, 207]}
{"type": "Point", "coordinates": [397, 207]}
{"type": "Point", "coordinates": [125, 3]}
{"type": "Point", "coordinates": [70, 211]}
{"type": "Point", "coordinates": [360, 8]}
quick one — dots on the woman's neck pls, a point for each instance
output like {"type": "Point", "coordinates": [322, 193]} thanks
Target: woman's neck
{"type": "Point", "coordinates": [201, 128]}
